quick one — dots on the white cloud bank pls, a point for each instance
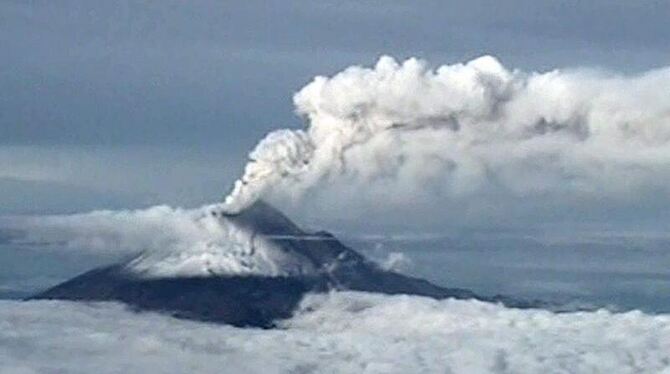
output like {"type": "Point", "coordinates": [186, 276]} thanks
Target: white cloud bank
{"type": "Point", "coordinates": [172, 241]}
{"type": "Point", "coordinates": [337, 333]}
{"type": "Point", "coordinates": [403, 133]}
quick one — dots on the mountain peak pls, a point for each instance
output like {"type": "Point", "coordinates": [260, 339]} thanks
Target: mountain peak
{"type": "Point", "coordinates": [259, 240]}
{"type": "Point", "coordinates": [252, 268]}
{"type": "Point", "coordinates": [262, 218]}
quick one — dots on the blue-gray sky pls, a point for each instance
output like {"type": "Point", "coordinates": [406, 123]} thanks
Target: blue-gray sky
{"type": "Point", "coordinates": [129, 103]}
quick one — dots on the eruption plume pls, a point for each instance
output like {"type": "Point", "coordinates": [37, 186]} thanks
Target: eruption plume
{"type": "Point", "coordinates": [462, 128]}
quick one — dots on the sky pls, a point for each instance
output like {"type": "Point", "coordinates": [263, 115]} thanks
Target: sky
{"type": "Point", "coordinates": [133, 103]}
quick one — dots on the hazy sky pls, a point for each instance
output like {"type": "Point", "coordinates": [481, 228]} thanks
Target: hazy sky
{"type": "Point", "coordinates": [131, 103]}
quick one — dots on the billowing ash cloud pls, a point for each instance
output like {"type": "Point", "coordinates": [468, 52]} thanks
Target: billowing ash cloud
{"type": "Point", "coordinates": [406, 130]}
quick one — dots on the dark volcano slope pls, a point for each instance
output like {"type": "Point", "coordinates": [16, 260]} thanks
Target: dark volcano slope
{"type": "Point", "coordinates": [255, 300]}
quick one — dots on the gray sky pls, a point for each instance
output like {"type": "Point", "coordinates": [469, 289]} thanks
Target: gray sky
{"type": "Point", "coordinates": [130, 103]}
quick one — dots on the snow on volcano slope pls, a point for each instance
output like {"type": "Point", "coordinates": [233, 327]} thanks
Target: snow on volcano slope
{"type": "Point", "coordinates": [231, 247]}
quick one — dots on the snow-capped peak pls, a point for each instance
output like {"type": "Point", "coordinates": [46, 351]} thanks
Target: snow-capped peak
{"type": "Point", "coordinates": [230, 245]}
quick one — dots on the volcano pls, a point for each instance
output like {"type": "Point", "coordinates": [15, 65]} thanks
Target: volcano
{"type": "Point", "coordinates": [258, 275]}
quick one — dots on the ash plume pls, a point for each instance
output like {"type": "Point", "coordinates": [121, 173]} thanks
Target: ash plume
{"type": "Point", "coordinates": [406, 129]}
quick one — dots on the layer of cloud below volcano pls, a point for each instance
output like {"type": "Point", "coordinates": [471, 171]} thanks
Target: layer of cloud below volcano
{"type": "Point", "coordinates": [344, 332]}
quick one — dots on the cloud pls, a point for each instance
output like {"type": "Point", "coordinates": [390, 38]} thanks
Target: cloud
{"type": "Point", "coordinates": [169, 241]}
{"type": "Point", "coordinates": [69, 179]}
{"type": "Point", "coordinates": [405, 134]}
{"type": "Point", "coordinates": [337, 333]}
{"type": "Point", "coordinates": [20, 196]}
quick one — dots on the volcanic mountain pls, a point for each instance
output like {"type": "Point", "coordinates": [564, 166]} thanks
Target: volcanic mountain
{"type": "Point", "coordinates": [253, 275]}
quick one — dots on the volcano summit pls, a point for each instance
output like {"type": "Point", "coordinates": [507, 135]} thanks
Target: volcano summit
{"type": "Point", "coordinates": [254, 274]}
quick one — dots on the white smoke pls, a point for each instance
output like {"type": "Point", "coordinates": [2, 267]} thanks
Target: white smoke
{"type": "Point", "coordinates": [405, 131]}
{"type": "Point", "coordinates": [172, 241]}
{"type": "Point", "coordinates": [281, 154]}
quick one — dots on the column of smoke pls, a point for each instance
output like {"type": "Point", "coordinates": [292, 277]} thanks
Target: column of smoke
{"type": "Point", "coordinates": [460, 128]}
